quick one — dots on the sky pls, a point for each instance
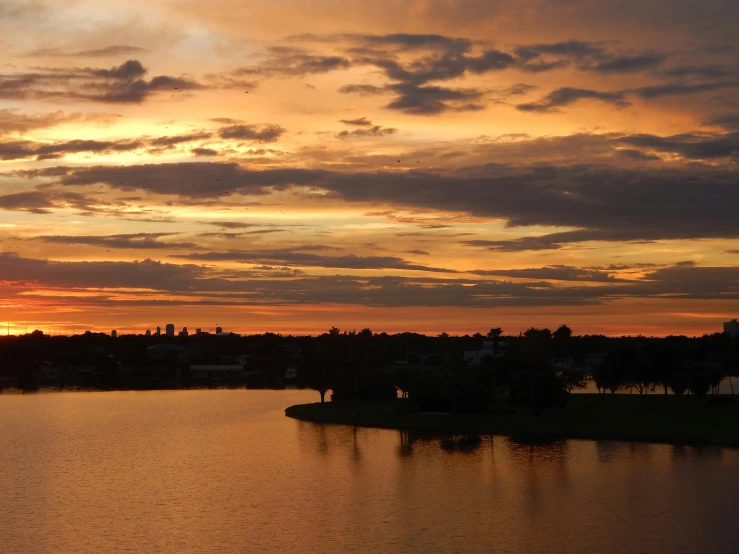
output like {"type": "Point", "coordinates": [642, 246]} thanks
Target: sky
{"type": "Point", "coordinates": [419, 165]}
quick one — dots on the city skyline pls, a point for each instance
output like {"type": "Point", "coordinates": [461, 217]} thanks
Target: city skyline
{"type": "Point", "coordinates": [429, 166]}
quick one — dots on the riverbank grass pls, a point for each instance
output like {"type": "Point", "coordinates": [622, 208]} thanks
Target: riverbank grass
{"type": "Point", "coordinates": [650, 418]}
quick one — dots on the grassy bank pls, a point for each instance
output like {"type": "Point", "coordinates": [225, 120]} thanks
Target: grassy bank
{"type": "Point", "coordinates": [653, 418]}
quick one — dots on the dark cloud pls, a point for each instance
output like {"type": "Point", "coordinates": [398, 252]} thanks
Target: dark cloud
{"type": "Point", "coordinates": [415, 67]}
{"type": "Point", "coordinates": [545, 242]}
{"type": "Point", "coordinates": [406, 41]}
{"type": "Point", "coordinates": [199, 179]}
{"type": "Point", "coordinates": [143, 241]}
{"type": "Point", "coordinates": [566, 96]}
{"type": "Point", "coordinates": [220, 235]}
{"type": "Point", "coordinates": [431, 100]}
{"type": "Point", "coordinates": [636, 155]}
{"type": "Point", "coordinates": [517, 89]}
{"type": "Point", "coordinates": [555, 273]}
{"type": "Point", "coordinates": [115, 50]}
{"type": "Point", "coordinates": [168, 141]}
{"type": "Point", "coordinates": [132, 69]}
{"type": "Point", "coordinates": [449, 58]}
{"type": "Point", "coordinates": [363, 90]}
{"type": "Point", "coordinates": [204, 152]}
{"type": "Point", "coordinates": [145, 274]}
{"type": "Point", "coordinates": [600, 202]}
{"type": "Point", "coordinates": [360, 122]}
{"type": "Point", "coordinates": [681, 89]}
{"type": "Point", "coordinates": [689, 145]}
{"type": "Point", "coordinates": [417, 252]}
{"type": "Point", "coordinates": [294, 257]}
{"type": "Point", "coordinates": [230, 224]}
{"type": "Point", "coordinates": [294, 62]}
{"type": "Point", "coordinates": [728, 121]}
{"type": "Point", "coordinates": [627, 64]}
{"type": "Point", "coordinates": [705, 71]}
{"type": "Point", "coordinates": [691, 280]}
{"type": "Point", "coordinates": [226, 120]}
{"type": "Point", "coordinates": [45, 201]}
{"type": "Point", "coordinates": [193, 283]}
{"type": "Point", "coordinates": [414, 99]}
{"type": "Point", "coordinates": [571, 49]}
{"type": "Point", "coordinates": [373, 131]}
{"type": "Point", "coordinates": [14, 121]}
{"type": "Point", "coordinates": [413, 82]}
{"type": "Point", "coordinates": [32, 202]}
{"type": "Point", "coordinates": [22, 149]}
{"type": "Point", "coordinates": [124, 83]}
{"type": "Point", "coordinates": [265, 133]}
{"type": "Point", "coordinates": [586, 56]}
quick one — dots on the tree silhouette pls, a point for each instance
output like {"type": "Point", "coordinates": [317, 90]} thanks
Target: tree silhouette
{"type": "Point", "coordinates": [562, 333]}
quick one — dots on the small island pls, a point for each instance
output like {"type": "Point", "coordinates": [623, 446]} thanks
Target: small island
{"type": "Point", "coordinates": [643, 418]}
{"type": "Point", "coordinates": [537, 386]}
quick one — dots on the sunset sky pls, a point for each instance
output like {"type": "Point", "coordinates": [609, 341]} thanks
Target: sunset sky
{"type": "Point", "coordinates": [419, 165]}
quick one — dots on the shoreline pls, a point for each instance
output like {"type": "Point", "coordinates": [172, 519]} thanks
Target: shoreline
{"type": "Point", "coordinates": [630, 418]}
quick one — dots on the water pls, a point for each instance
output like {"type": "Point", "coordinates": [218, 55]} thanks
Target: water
{"type": "Point", "coordinates": [226, 471]}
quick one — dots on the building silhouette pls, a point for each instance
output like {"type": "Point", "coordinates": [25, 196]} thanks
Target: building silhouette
{"type": "Point", "coordinates": [219, 330]}
{"type": "Point", "coordinates": [159, 331]}
{"type": "Point", "coordinates": [732, 328]}
{"type": "Point", "coordinates": [114, 333]}
{"type": "Point", "coordinates": [170, 329]}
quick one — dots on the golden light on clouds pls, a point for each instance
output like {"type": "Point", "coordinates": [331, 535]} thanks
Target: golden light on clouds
{"type": "Point", "coordinates": [297, 165]}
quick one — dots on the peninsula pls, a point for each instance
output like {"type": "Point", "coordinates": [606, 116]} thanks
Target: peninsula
{"type": "Point", "coordinates": [680, 420]}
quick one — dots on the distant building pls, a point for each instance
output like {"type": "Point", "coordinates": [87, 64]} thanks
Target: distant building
{"type": "Point", "coordinates": [159, 331]}
{"type": "Point", "coordinates": [293, 351]}
{"type": "Point", "coordinates": [184, 332]}
{"type": "Point", "coordinates": [489, 349]}
{"type": "Point", "coordinates": [290, 373]}
{"type": "Point", "coordinates": [198, 331]}
{"type": "Point", "coordinates": [114, 333]}
{"type": "Point", "coordinates": [219, 330]}
{"type": "Point", "coordinates": [222, 372]}
{"type": "Point", "coordinates": [148, 332]}
{"type": "Point", "coordinates": [48, 374]}
{"type": "Point", "coordinates": [170, 329]}
{"type": "Point", "coordinates": [732, 328]}
{"type": "Point", "coordinates": [168, 351]}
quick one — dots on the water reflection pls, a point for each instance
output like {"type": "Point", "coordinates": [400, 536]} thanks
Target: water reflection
{"type": "Point", "coordinates": [206, 471]}
{"type": "Point", "coordinates": [405, 448]}
{"type": "Point", "coordinates": [607, 451]}
{"type": "Point", "coordinates": [539, 452]}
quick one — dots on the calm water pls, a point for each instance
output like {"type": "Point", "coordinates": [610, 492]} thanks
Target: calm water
{"type": "Point", "coordinates": [225, 471]}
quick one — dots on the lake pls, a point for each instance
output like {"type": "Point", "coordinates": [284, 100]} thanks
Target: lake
{"type": "Point", "coordinates": [226, 471]}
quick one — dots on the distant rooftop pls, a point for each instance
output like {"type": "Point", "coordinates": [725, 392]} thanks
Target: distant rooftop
{"type": "Point", "coordinates": [166, 348]}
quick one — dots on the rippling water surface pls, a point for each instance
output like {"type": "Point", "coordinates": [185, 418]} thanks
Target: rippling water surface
{"type": "Point", "coordinates": [226, 471]}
